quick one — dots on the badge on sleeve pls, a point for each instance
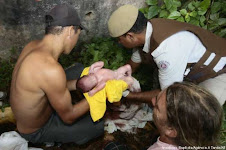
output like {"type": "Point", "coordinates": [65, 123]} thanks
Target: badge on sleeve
{"type": "Point", "coordinates": [163, 65]}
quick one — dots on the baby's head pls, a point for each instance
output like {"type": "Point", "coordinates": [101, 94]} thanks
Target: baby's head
{"type": "Point", "coordinates": [86, 83]}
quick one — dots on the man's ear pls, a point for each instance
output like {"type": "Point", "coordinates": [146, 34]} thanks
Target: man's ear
{"type": "Point", "coordinates": [130, 36]}
{"type": "Point", "coordinates": [70, 31]}
{"type": "Point", "coordinates": [171, 132]}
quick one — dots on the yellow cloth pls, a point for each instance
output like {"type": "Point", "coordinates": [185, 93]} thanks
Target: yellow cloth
{"type": "Point", "coordinates": [112, 90]}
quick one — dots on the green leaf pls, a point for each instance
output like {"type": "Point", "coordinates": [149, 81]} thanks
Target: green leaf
{"type": "Point", "coordinates": [174, 15]}
{"type": "Point", "coordinates": [222, 33]}
{"type": "Point", "coordinates": [172, 5]}
{"type": "Point", "coordinates": [213, 26]}
{"type": "Point", "coordinates": [187, 17]}
{"type": "Point", "coordinates": [202, 19]}
{"type": "Point", "coordinates": [205, 27]}
{"type": "Point", "coordinates": [177, 3]}
{"type": "Point", "coordinates": [153, 11]}
{"type": "Point", "coordinates": [205, 4]}
{"type": "Point", "coordinates": [191, 7]}
{"type": "Point", "coordinates": [194, 21]}
{"type": "Point", "coordinates": [193, 14]}
{"type": "Point", "coordinates": [221, 21]}
{"type": "Point", "coordinates": [215, 7]}
{"type": "Point", "coordinates": [172, 9]}
{"type": "Point", "coordinates": [201, 12]}
{"type": "Point", "coordinates": [196, 4]}
{"type": "Point", "coordinates": [183, 12]}
{"type": "Point", "coordinates": [163, 14]}
{"type": "Point", "coordinates": [181, 19]}
{"type": "Point", "coordinates": [152, 2]}
{"type": "Point", "coordinates": [168, 3]}
{"type": "Point", "coordinates": [214, 16]}
{"type": "Point", "coordinates": [144, 10]}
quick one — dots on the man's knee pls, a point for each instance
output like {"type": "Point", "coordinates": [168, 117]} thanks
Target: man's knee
{"type": "Point", "coordinates": [95, 132]}
{"type": "Point", "coordinates": [74, 71]}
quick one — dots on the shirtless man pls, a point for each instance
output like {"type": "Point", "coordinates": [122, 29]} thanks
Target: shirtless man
{"type": "Point", "coordinates": [40, 94]}
{"type": "Point", "coordinates": [98, 76]}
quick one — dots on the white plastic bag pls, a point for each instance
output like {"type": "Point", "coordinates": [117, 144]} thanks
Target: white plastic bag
{"type": "Point", "coordinates": [13, 141]}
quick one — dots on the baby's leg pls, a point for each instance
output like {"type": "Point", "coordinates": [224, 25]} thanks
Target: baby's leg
{"type": "Point", "coordinates": [97, 88]}
{"type": "Point", "coordinates": [124, 71]}
{"type": "Point", "coordinates": [128, 80]}
{"type": "Point", "coordinates": [133, 84]}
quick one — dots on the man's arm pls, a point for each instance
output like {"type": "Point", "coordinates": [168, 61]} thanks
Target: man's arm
{"type": "Point", "coordinates": [144, 97]}
{"type": "Point", "coordinates": [59, 96]}
{"type": "Point", "coordinates": [71, 85]}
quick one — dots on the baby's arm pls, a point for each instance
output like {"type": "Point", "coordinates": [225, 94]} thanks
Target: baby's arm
{"type": "Point", "coordinates": [99, 87]}
{"type": "Point", "coordinates": [96, 66]}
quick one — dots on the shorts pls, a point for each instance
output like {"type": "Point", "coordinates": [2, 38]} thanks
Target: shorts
{"type": "Point", "coordinates": [55, 130]}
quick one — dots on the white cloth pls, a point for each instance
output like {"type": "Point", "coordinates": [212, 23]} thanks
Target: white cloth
{"type": "Point", "coordinates": [216, 86]}
{"type": "Point", "coordinates": [13, 141]}
{"type": "Point", "coordinates": [132, 117]}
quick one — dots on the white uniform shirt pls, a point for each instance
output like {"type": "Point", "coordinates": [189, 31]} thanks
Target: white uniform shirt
{"type": "Point", "coordinates": [174, 53]}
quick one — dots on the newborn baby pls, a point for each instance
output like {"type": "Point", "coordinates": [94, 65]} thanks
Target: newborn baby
{"type": "Point", "coordinates": [98, 76]}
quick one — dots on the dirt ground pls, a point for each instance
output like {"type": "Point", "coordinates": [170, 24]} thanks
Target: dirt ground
{"type": "Point", "coordinates": [139, 141]}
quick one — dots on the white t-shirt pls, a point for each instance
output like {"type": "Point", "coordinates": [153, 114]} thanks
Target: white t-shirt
{"type": "Point", "coordinates": [174, 53]}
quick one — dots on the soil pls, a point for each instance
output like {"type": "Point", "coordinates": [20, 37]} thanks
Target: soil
{"type": "Point", "coordinates": [139, 141]}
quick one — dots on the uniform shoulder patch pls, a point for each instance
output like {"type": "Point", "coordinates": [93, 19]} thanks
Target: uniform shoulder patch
{"type": "Point", "coordinates": [163, 64]}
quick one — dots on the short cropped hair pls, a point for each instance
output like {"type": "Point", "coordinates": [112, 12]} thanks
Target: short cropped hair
{"type": "Point", "coordinates": [194, 113]}
{"type": "Point", "coordinates": [55, 30]}
{"type": "Point", "coordinates": [140, 24]}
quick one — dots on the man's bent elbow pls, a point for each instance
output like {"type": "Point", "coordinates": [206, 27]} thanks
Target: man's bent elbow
{"type": "Point", "coordinates": [68, 120]}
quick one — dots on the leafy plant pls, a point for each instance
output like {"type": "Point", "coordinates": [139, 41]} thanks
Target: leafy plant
{"type": "Point", "coordinates": [68, 60]}
{"type": "Point", "coordinates": [207, 14]}
{"type": "Point", "coordinates": [106, 50]}
{"type": "Point", "coordinates": [6, 69]}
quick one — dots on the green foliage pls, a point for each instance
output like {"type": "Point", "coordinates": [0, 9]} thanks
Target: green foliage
{"type": "Point", "coordinates": [67, 60]}
{"type": "Point", "coordinates": [6, 69]}
{"type": "Point", "coordinates": [106, 50]}
{"type": "Point", "coordinates": [207, 14]}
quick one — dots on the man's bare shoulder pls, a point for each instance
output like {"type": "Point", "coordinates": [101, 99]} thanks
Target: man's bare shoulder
{"type": "Point", "coordinates": [39, 66]}
{"type": "Point", "coordinates": [44, 62]}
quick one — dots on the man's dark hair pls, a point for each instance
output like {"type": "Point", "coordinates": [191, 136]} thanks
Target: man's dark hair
{"type": "Point", "coordinates": [55, 30]}
{"type": "Point", "coordinates": [140, 24]}
{"type": "Point", "coordinates": [194, 113]}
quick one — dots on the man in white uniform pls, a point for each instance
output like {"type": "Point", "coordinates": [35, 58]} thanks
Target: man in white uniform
{"type": "Point", "coordinates": [179, 50]}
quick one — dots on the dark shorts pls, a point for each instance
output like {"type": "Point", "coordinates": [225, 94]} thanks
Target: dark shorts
{"type": "Point", "coordinates": [55, 130]}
